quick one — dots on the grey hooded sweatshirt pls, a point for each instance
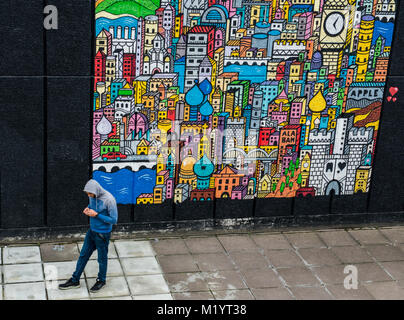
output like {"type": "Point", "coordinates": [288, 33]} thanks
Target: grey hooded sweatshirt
{"type": "Point", "coordinates": [104, 204]}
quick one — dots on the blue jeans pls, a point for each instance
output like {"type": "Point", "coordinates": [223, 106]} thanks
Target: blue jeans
{"type": "Point", "coordinates": [92, 241]}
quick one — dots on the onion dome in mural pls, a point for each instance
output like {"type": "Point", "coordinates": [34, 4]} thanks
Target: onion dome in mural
{"type": "Point", "coordinates": [187, 165]}
{"type": "Point", "coordinates": [206, 87]}
{"type": "Point", "coordinates": [206, 109]}
{"type": "Point", "coordinates": [104, 127]}
{"type": "Point", "coordinates": [317, 60]}
{"type": "Point", "coordinates": [317, 103]}
{"type": "Point", "coordinates": [194, 96]}
{"type": "Point", "coordinates": [204, 167]}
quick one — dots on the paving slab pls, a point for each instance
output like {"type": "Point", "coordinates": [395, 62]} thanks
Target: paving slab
{"type": "Point", "coordinates": [371, 272]}
{"type": "Point", "coordinates": [305, 240]}
{"type": "Point", "coordinates": [169, 246]}
{"type": "Point", "coordinates": [177, 263]}
{"type": "Point", "coordinates": [367, 272]}
{"type": "Point", "coordinates": [395, 269]}
{"type": "Point", "coordinates": [249, 260]}
{"type": "Point", "coordinates": [340, 293]}
{"type": "Point", "coordinates": [204, 295]}
{"type": "Point", "coordinates": [233, 295]}
{"type": "Point", "coordinates": [114, 287]}
{"type": "Point", "coordinates": [337, 238]}
{"type": "Point", "coordinates": [140, 265]}
{"type": "Point", "coordinates": [319, 256]}
{"type": "Point", "coordinates": [283, 258]}
{"type": "Point", "coordinates": [311, 293]}
{"type": "Point", "coordinates": [59, 270]}
{"type": "Point", "coordinates": [147, 284]}
{"type": "Point", "coordinates": [53, 252]}
{"type": "Point", "coordinates": [391, 290]}
{"type": "Point", "coordinates": [25, 291]}
{"type": "Point", "coordinates": [114, 298]}
{"type": "Point", "coordinates": [204, 245]}
{"type": "Point", "coordinates": [1, 255]}
{"type": "Point", "coordinates": [271, 241]}
{"type": "Point", "coordinates": [213, 262]}
{"type": "Point", "coordinates": [261, 278]}
{"type": "Point", "coordinates": [352, 254]}
{"type": "Point", "coordinates": [298, 276]}
{"type": "Point", "coordinates": [1, 292]}
{"type": "Point", "coordinates": [237, 243]}
{"type": "Point", "coordinates": [369, 236]}
{"type": "Point", "coordinates": [224, 280]}
{"type": "Point", "coordinates": [26, 254]}
{"type": "Point", "coordinates": [330, 274]}
{"type": "Point", "coordinates": [271, 294]}
{"type": "Point", "coordinates": [16, 273]}
{"type": "Point", "coordinates": [55, 293]}
{"type": "Point", "coordinates": [114, 268]}
{"type": "Point", "coordinates": [395, 235]}
{"type": "Point", "coordinates": [131, 249]}
{"type": "Point", "coordinates": [165, 296]}
{"type": "Point", "coordinates": [385, 252]}
{"type": "Point", "coordinates": [186, 282]}
{"type": "Point", "coordinates": [111, 251]}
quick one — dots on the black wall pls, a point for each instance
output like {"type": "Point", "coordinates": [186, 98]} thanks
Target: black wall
{"type": "Point", "coordinates": [45, 134]}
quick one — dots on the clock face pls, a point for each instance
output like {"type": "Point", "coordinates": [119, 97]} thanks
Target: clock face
{"type": "Point", "coordinates": [334, 24]}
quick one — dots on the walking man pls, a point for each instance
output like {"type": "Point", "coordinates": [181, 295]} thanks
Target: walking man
{"type": "Point", "coordinates": [103, 213]}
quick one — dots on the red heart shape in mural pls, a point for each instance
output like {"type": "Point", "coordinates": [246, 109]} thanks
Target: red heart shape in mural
{"type": "Point", "coordinates": [393, 90]}
{"type": "Point", "coordinates": [394, 99]}
{"type": "Point", "coordinates": [388, 98]}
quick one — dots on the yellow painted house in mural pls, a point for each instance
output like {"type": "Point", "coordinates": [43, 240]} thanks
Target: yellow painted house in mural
{"type": "Point", "coordinates": [143, 147]}
{"type": "Point", "coordinates": [362, 179]}
{"type": "Point", "coordinates": [145, 198]}
{"type": "Point", "coordinates": [264, 186]}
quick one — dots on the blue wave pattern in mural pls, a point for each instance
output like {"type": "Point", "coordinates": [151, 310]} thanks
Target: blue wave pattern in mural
{"type": "Point", "coordinates": [126, 185]}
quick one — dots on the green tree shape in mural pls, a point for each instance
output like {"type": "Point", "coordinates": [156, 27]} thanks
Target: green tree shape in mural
{"type": "Point", "coordinates": [291, 179]}
{"type": "Point", "coordinates": [282, 188]}
{"type": "Point", "coordinates": [299, 179]}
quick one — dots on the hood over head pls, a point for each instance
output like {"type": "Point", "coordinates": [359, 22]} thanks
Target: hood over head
{"type": "Point", "coordinates": [94, 187]}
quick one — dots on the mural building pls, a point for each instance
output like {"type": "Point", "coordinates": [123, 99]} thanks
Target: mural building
{"type": "Point", "coordinates": [202, 99]}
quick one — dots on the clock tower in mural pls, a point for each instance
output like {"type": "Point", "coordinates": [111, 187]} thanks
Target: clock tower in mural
{"type": "Point", "coordinates": [336, 32]}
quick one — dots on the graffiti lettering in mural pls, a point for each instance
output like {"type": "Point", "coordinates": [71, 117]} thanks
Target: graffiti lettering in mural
{"type": "Point", "coordinates": [202, 99]}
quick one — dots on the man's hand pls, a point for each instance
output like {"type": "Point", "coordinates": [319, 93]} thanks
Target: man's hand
{"type": "Point", "coordinates": [90, 212]}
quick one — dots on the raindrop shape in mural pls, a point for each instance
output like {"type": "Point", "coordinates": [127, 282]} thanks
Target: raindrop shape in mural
{"type": "Point", "coordinates": [206, 87]}
{"type": "Point", "coordinates": [194, 96]}
{"type": "Point", "coordinates": [206, 109]}
{"type": "Point", "coordinates": [317, 104]}
{"type": "Point", "coordinates": [104, 127]}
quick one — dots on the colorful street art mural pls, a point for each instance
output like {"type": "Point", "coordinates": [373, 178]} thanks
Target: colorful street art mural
{"type": "Point", "coordinates": [202, 99]}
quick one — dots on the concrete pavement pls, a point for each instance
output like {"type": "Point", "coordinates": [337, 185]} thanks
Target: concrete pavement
{"type": "Point", "coordinates": [264, 264]}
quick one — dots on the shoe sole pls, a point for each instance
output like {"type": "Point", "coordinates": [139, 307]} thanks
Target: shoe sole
{"type": "Point", "coordinates": [72, 287]}
{"type": "Point", "coordinates": [95, 291]}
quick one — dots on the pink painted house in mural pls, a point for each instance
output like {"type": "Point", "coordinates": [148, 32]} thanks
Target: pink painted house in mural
{"type": "Point", "coordinates": [239, 192]}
